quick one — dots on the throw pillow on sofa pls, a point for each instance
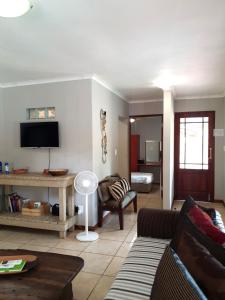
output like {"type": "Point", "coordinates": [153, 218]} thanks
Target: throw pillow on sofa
{"type": "Point", "coordinates": [116, 190]}
{"type": "Point", "coordinates": [185, 224]}
{"type": "Point", "coordinates": [190, 202]}
{"type": "Point", "coordinates": [173, 281]}
{"type": "Point", "coordinates": [205, 224]}
{"type": "Point", "coordinates": [207, 271]}
{"type": "Point", "coordinates": [125, 185]}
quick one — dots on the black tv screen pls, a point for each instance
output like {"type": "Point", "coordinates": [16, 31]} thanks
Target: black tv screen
{"type": "Point", "coordinates": [39, 134]}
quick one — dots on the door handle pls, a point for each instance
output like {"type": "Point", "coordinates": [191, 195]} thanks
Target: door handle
{"type": "Point", "coordinates": [210, 153]}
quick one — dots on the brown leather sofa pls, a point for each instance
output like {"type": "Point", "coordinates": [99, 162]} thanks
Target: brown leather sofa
{"type": "Point", "coordinates": [155, 229]}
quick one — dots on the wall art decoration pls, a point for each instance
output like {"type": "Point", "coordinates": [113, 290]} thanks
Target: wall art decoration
{"type": "Point", "coordinates": [104, 136]}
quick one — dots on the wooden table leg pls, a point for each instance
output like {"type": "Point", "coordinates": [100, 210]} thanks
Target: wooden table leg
{"type": "Point", "coordinates": [62, 209]}
{"type": "Point", "coordinates": [71, 204]}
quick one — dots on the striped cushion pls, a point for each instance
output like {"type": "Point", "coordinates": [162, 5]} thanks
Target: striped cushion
{"type": "Point", "coordinates": [218, 221]}
{"type": "Point", "coordinates": [116, 190]}
{"type": "Point", "coordinates": [125, 185]}
{"type": "Point", "coordinates": [135, 279]}
{"type": "Point", "coordinates": [173, 281]}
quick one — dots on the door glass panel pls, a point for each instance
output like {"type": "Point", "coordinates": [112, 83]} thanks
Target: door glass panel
{"type": "Point", "coordinates": [205, 142]}
{"type": "Point", "coordinates": [193, 166]}
{"type": "Point", "coordinates": [194, 120]}
{"type": "Point", "coordinates": [193, 143]}
{"type": "Point", "coordinates": [182, 143]}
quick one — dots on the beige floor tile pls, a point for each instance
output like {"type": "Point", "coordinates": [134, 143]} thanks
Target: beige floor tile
{"type": "Point", "coordinates": [134, 228]}
{"type": "Point", "coordinates": [5, 234]}
{"type": "Point", "coordinates": [115, 235]}
{"type": "Point", "coordinates": [72, 235]}
{"type": "Point", "coordinates": [19, 237]}
{"type": "Point", "coordinates": [83, 284]}
{"type": "Point", "coordinates": [130, 217]}
{"type": "Point", "coordinates": [131, 237]}
{"type": "Point", "coordinates": [95, 263]}
{"type": "Point", "coordinates": [124, 249]}
{"type": "Point", "coordinates": [45, 242]}
{"type": "Point", "coordinates": [34, 248]}
{"type": "Point", "coordinates": [72, 245]}
{"type": "Point", "coordinates": [104, 247]}
{"type": "Point", "coordinates": [101, 288]}
{"type": "Point", "coordinates": [114, 266]}
{"type": "Point", "coordinates": [64, 251]}
{"type": "Point", "coordinates": [9, 245]}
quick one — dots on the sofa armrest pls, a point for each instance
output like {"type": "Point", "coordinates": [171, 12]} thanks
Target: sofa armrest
{"type": "Point", "coordinates": [157, 223]}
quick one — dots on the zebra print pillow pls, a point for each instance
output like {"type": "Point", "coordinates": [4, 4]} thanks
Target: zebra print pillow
{"type": "Point", "coordinates": [125, 185]}
{"type": "Point", "coordinates": [116, 190]}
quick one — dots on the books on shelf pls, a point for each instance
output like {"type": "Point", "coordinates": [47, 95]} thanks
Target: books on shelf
{"type": "Point", "coordinates": [14, 202]}
{"type": "Point", "coordinates": [15, 265]}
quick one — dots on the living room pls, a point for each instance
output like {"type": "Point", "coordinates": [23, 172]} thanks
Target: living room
{"type": "Point", "coordinates": [81, 58]}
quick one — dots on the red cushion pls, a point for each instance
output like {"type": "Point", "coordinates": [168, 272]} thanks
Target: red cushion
{"type": "Point", "coordinates": [205, 224]}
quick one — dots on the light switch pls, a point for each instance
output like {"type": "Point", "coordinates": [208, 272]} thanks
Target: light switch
{"type": "Point", "coordinates": [218, 132]}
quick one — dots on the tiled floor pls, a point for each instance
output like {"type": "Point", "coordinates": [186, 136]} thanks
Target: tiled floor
{"type": "Point", "coordinates": [103, 258]}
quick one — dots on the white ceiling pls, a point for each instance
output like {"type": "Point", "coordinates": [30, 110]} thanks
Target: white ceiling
{"type": "Point", "coordinates": [127, 43]}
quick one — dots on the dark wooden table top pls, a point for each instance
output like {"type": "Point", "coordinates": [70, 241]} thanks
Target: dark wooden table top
{"type": "Point", "coordinates": [49, 280]}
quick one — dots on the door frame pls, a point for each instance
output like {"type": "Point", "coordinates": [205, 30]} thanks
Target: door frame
{"type": "Point", "coordinates": [211, 140]}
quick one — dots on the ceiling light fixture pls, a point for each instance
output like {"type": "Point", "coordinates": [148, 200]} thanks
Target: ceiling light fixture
{"type": "Point", "coordinates": [132, 120]}
{"type": "Point", "coordinates": [167, 81]}
{"type": "Point", "coordinates": [14, 8]}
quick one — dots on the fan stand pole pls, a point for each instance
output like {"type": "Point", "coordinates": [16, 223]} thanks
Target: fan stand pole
{"type": "Point", "coordinates": [86, 214]}
{"type": "Point", "coordinates": [87, 236]}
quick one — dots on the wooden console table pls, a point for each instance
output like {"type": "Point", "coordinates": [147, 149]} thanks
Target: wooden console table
{"type": "Point", "coordinates": [66, 204]}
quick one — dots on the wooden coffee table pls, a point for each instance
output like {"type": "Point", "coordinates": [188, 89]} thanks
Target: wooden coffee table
{"type": "Point", "coordinates": [49, 280]}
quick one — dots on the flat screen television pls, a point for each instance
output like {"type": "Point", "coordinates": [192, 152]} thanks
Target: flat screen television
{"type": "Point", "coordinates": [39, 135]}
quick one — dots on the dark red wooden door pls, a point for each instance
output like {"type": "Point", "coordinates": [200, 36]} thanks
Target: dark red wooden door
{"type": "Point", "coordinates": [134, 152]}
{"type": "Point", "coordinates": [194, 155]}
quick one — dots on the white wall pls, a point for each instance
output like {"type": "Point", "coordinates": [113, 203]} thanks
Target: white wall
{"type": "Point", "coordinates": [115, 108]}
{"type": "Point", "coordinates": [78, 105]}
{"type": "Point", "coordinates": [2, 154]}
{"type": "Point", "coordinates": [147, 108]}
{"type": "Point", "coordinates": [224, 150]}
{"type": "Point", "coordinates": [123, 147]}
{"type": "Point", "coordinates": [168, 150]}
{"type": "Point", "coordinates": [72, 101]}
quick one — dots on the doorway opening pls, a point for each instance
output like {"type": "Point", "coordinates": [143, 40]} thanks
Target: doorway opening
{"type": "Point", "coordinates": [146, 137]}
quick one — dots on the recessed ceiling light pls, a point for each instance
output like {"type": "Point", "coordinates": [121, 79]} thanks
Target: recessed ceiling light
{"type": "Point", "coordinates": [166, 80]}
{"type": "Point", "coordinates": [163, 83]}
{"type": "Point", "coordinates": [14, 8]}
{"type": "Point", "coordinates": [132, 120]}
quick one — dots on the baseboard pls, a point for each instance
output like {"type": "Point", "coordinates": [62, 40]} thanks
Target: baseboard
{"type": "Point", "coordinates": [82, 227]}
{"type": "Point", "coordinates": [92, 228]}
{"type": "Point", "coordinates": [219, 201]}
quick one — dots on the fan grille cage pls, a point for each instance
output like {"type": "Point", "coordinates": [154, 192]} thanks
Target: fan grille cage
{"type": "Point", "coordinates": [86, 182]}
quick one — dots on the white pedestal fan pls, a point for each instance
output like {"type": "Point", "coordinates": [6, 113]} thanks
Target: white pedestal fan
{"type": "Point", "coordinates": [86, 183]}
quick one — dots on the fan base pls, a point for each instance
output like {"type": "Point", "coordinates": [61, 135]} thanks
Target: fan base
{"type": "Point", "coordinates": [87, 237]}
